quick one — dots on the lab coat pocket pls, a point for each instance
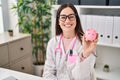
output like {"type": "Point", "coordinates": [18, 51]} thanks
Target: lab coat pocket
{"type": "Point", "coordinates": [72, 59]}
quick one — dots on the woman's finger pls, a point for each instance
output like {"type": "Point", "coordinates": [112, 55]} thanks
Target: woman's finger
{"type": "Point", "coordinates": [83, 39]}
{"type": "Point", "coordinates": [96, 40]}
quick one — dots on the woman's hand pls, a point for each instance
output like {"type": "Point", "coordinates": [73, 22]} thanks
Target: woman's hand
{"type": "Point", "coordinates": [88, 46]}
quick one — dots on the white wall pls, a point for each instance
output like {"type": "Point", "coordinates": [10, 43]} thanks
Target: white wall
{"type": "Point", "coordinates": [1, 21]}
{"type": "Point", "coordinates": [13, 18]}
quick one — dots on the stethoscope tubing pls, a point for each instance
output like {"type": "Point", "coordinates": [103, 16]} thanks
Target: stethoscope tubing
{"type": "Point", "coordinates": [58, 49]}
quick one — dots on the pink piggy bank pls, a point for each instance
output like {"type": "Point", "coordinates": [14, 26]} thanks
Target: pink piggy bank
{"type": "Point", "coordinates": [90, 34]}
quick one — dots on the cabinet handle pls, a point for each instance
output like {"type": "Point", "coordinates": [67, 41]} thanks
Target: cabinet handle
{"type": "Point", "coordinates": [21, 49]}
{"type": "Point", "coordinates": [22, 68]}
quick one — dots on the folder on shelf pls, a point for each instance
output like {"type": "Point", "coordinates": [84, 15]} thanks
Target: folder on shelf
{"type": "Point", "coordinates": [101, 28]}
{"type": "Point", "coordinates": [108, 29]}
{"type": "Point", "coordinates": [83, 21]}
{"type": "Point", "coordinates": [116, 30]}
{"type": "Point", "coordinates": [95, 22]}
{"type": "Point", "coordinates": [89, 21]}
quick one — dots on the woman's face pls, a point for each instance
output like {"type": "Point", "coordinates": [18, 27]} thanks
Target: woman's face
{"type": "Point", "coordinates": [67, 20]}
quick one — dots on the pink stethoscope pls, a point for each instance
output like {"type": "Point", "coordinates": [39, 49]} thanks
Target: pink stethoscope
{"type": "Point", "coordinates": [60, 49]}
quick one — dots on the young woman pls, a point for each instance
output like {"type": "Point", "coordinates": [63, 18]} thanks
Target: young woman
{"type": "Point", "coordinates": [69, 56]}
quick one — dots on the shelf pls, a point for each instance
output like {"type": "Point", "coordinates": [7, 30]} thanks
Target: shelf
{"type": "Point", "coordinates": [109, 45]}
{"type": "Point", "coordinates": [101, 7]}
{"type": "Point", "coordinates": [91, 6]}
{"type": "Point", "coordinates": [114, 74]}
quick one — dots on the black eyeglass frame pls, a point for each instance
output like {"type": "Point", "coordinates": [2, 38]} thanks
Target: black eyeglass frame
{"type": "Point", "coordinates": [67, 16]}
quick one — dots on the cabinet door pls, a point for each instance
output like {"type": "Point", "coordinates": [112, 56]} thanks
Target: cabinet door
{"type": "Point", "coordinates": [114, 2]}
{"type": "Point", "coordinates": [76, 2]}
{"type": "Point", "coordinates": [93, 2]}
{"type": "Point", "coordinates": [3, 55]}
{"type": "Point", "coordinates": [24, 65]}
{"type": "Point", "coordinates": [20, 48]}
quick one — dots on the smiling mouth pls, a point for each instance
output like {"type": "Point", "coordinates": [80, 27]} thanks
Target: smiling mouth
{"type": "Point", "coordinates": [68, 26]}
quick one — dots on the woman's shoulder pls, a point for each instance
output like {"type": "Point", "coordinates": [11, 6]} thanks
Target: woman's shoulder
{"type": "Point", "coordinates": [53, 40]}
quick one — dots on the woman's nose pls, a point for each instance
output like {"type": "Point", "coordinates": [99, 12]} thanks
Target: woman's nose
{"type": "Point", "coordinates": [67, 20]}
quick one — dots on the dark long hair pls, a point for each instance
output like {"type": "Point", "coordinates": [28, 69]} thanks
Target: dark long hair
{"type": "Point", "coordinates": [78, 28]}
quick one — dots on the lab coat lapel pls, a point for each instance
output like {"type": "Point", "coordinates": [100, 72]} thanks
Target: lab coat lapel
{"type": "Point", "coordinates": [63, 57]}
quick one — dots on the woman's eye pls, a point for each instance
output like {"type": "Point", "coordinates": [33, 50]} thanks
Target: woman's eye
{"type": "Point", "coordinates": [71, 16]}
{"type": "Point", "coordinates": [63, 17]}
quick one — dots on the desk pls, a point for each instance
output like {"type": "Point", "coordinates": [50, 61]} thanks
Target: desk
{"type": "Point", "coordinates": [4, 73]}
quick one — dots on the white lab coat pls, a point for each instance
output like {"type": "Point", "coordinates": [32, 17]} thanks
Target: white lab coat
{"type": "Point", "coordinates": [58, 68]}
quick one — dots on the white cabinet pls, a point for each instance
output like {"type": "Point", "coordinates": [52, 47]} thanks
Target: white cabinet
{"type": "Point", "coordinates": [107, 51]}
{"type": "Point", "coordinates": [21, 47]}
{"type": "Point", "coordinates": [23, 65]}
{"type": "Point", "coordinates": [16, 52]}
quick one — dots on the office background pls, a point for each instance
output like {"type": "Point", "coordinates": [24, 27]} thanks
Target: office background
{"type": "Point", "coordinates": [108, 51]}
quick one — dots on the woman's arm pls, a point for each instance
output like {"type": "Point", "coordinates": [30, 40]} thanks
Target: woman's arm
{"type": "Point", "coordinates": [84, 67]}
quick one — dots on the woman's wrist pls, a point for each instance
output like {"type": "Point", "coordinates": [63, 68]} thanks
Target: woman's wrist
{"type": "Point", "coordinates": [85, 53]}
{"type": "Point", "coordinates": [82, 57]}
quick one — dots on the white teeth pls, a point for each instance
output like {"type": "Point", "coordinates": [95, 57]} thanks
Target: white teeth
{"type": "Point", "coordinates": [67, 25]}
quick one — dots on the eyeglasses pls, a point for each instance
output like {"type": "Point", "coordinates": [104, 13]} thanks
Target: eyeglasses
{"type": "Point", "coordinates": [71, 17]}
